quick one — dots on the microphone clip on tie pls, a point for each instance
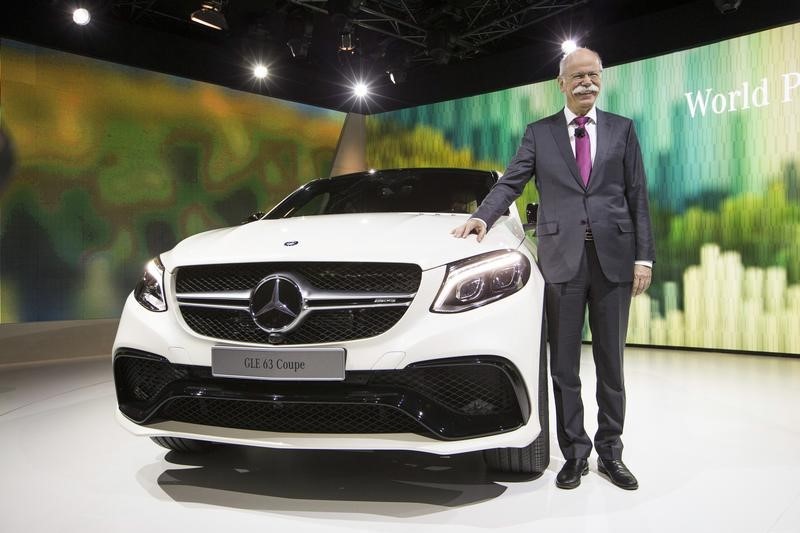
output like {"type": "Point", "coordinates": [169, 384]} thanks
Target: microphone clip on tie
{"type": "Point", "coordinates": [580, 132]}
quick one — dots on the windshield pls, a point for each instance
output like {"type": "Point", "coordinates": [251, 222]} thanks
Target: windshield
{"type": "Point", "coordinates": [390, 191]}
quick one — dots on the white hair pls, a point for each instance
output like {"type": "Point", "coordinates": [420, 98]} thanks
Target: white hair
{"type": "Point", "coordinates": [563, 61]}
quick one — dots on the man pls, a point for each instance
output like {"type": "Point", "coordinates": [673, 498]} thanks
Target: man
{"type": "Point", "coordinates": [595, 248]}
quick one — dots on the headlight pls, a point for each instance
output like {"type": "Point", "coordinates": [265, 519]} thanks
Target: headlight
{"type": "Point", "coordinates": [150, 290]}
{"type": "Point", "coordinates": [480, 280]}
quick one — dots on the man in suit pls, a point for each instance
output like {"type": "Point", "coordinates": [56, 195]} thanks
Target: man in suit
{"type": "Point", "coordinates": [595, 249]}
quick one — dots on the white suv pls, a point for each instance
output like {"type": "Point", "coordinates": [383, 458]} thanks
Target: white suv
{"type": "Point", "coordinates": [348, 318]}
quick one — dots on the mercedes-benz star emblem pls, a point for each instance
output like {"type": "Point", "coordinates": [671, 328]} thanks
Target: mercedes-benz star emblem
{"type": "Point", "coordinates": [276, 303]}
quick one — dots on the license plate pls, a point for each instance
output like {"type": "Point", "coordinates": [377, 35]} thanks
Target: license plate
{"type": "Point", "coordinates": [305, 364]}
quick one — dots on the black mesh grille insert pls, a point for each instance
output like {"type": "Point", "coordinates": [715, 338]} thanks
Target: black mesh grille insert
{"type": "Point", "coordinates": [361, 277]}
{"type": "Point", "coordinates": [290, 417]}
{"type": "Point", "coordinates": [143, 379]}
{"type": "Point", "coordinates": [318, 327]}
{"type": "Point", "coordinates": [466, 389]}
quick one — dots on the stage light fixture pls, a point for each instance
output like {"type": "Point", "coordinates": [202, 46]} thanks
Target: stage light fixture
{"type": "Point", "coordinates": [396, 76]}
{"type": "Point", "coordinates": [397, 64]}
{"type": "Point", "coordinates": [727, 6]}
{"type": "Point", "coordinates": [81, 16]}
{"type": "Point", "coordinates": [210, 14]}
{"type": "Point", "coordinates": [298, 47]}
{"type": "Point", "coordinates": [347, 42]}
{"type": "Point", "coordinates": [260, 71]}
{"type": "Point", "coordinates": [440, 45]}
{"type": "Point", "coordinates": [568, 46]}
{"type": "Point", "coordinates": [299, 30]}
{"type": "Point", "coordinates": [361, 90]}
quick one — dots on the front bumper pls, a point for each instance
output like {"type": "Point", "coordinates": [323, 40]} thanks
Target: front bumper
{"type": "Point", "coordinates": [444, 399]}
{"type": "Point", "coordinates": [400, 415]}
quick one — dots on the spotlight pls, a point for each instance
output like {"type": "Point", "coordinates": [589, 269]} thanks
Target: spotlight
{"type": "Point", "coordinates": [568, 46]}
{"type": "Point", "coordinates": [346, 42]}
{"type": "Point", "coordinates": [360, 89]}
{"type": "Point", "coordinates": [81, 16]}
{"type": "Point", "coordinates": [210, 14]}
{"type": "Point", "coordinates": [260, 71]}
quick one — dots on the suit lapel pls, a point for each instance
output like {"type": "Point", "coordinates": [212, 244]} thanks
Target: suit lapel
{"type": "Point", "coordinates": [558, 128]}
{"type": "Point", "coordinates": [605, 131]}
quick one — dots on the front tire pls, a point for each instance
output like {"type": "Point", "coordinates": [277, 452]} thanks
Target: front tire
{"type": "Point", "coordinates": [178, 444]}
{"type": "Point", "coordinates": [533, 458]}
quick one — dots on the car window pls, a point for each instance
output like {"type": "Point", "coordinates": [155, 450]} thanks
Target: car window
{"type": "Point", "coordinates": [315, 205]}
{"type": "Point", "coordinates": [431, 191]}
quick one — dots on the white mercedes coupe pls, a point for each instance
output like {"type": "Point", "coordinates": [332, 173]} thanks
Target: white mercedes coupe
{"type": "Point", "coordinates": [347, 317]}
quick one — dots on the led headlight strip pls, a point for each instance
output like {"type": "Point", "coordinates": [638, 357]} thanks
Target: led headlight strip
{"type": "Point", "coordinates": [149, 292]}
{"type": "Point", "coordinates": [482, 279]}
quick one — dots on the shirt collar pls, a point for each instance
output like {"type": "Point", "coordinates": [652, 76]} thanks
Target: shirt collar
{"type": "Point", "coordinates": [592, 114]}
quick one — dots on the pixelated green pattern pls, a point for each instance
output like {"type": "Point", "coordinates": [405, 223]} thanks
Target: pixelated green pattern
{"type": "Point", "coordinates": [116, 164]}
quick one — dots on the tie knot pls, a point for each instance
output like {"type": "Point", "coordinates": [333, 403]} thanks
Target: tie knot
{"type": "Point", "coordinates": [580, 121]}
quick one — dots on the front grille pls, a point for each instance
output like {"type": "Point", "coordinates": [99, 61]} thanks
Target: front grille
{"type": "Point", "coordinates": [359, 277]}
{"type": "Point", "coordinates": [290, 417]}
{"type": "Point", "coordinates": [458, 398]}
{"type": "Point", "coordinates": [318, 327]}
{"type": "Point", "coordinates": [356, 314]}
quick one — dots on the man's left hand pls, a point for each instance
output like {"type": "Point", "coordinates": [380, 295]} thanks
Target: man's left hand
{"type": "Point", "coordinates": [642, 275]}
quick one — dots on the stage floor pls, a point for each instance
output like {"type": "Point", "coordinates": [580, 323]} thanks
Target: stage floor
{"type": "Point", "coordinates": [713, 439]}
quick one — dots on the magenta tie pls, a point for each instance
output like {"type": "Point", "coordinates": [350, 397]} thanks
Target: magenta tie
{"type": "Point", "coordinates": [583, 149]}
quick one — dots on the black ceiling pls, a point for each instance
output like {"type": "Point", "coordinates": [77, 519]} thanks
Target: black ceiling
{"type": "Point", "coordinates": [447, 48]}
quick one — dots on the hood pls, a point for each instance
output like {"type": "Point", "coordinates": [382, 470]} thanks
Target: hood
{"type": "Point", "coordinates": [423, 239]}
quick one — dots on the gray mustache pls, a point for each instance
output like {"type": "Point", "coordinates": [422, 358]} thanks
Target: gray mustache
{"type": "Point", "coordinates": [584, 90]}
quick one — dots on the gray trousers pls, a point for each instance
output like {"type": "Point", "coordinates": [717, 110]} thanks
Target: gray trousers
{"type": "Point", "coordinates": [609, 305]}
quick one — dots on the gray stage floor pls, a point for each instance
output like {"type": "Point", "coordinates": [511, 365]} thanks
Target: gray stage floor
{"type": "Point", "coordinates": [713, 439]}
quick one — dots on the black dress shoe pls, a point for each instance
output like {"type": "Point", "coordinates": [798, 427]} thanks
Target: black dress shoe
{"type": "Point", "coordinates": [618, 473]}
{"type": "Point", "coordinates": [570, 475]}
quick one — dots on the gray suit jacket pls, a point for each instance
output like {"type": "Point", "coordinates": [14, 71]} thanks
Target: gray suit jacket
{"type": "Point", "coordinates": [614, 204]}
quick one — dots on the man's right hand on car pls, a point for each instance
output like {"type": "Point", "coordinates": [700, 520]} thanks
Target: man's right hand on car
{"type": "Point", "coordinates": [473, 225]}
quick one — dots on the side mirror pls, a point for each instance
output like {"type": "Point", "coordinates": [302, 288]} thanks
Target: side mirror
{"type": "Point", "coordinates": [531, 212]}
{"type": "Point", "coordinates": [258, 215]}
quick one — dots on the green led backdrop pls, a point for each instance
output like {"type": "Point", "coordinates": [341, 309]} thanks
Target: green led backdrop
{"type": "Point", "coordinates": [115, 164]}
{"type": "Point", "coordinates": [719, 128]}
